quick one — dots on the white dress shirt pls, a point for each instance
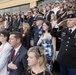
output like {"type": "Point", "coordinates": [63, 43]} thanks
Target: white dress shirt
{"type": "Point", "coordinates": [72, 29]}
{"type": "Point", "coordinates": [17, 49]}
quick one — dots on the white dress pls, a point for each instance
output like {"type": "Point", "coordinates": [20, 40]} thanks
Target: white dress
{"type": "Point", "coordinates": [4, 54]}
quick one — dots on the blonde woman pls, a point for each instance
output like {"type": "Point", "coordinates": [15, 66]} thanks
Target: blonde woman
{"type": "Point", "coordinates": [26, 35]}
{"type": "Point", "coordinates": [36, 62]}
{"type": "Point", "coordinates": [54, 21]}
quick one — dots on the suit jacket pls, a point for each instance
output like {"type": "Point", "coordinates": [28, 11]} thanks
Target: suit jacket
{"type": "Point", "coordinates": [59, 18]}
{"type": "Point", "coordinates": [48, 16]}
{"type": "Point", "coordinates": [58, 13]}
{"type": "Point", "coordinates": [30, 20]}
{"type": "Point", "coordinates": [67, 52]}
{"type": "Point", "coordinates": [20, 60]}
{"type": "Point", "coordinates": [4, 54]}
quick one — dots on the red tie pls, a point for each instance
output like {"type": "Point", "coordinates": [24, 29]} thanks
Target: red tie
{"type": "Point", "coordinates": [13, 54]}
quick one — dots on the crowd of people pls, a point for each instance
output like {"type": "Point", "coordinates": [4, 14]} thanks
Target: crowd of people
{"type": "Point", "coordinates": [29, 41]}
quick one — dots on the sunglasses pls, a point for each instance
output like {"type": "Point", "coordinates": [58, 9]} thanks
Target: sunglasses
{"type": "Point", "coordinates": [38, 49]}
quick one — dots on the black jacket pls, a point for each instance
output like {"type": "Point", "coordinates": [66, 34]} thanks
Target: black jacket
{"type": "Point", "coordinates": [26, 40]}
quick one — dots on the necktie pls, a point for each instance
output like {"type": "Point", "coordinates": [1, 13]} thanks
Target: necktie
{"type": "Point", "coordinates": [13, 54]}
{"type": "Point", "coordinates": [70, 30]}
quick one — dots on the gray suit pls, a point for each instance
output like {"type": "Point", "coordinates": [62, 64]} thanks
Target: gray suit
{"type": "Point", "coordinates": [20, 60]}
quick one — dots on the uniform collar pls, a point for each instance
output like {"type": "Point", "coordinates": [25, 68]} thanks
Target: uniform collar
{"type": "Point", "coordinates": [39, 26]}
{"type": "Point", "coordinates": [72, 28]}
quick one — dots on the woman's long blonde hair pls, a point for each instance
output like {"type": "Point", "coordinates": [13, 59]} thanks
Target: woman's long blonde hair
{"type": "Point", "coordinates": [39, 53]}
{"type": "Point", "coordinates": [27, 26]}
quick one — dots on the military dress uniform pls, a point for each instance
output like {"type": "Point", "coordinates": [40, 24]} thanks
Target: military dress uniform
{"type": "Point", "coordinates": [37, 34]}
{"type": "Point", "coordinates": [38, 31]}
{"type": "Point", "coordinates": [67, 52]}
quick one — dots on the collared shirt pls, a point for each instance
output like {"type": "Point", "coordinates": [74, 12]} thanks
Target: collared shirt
{"type": "Point", "coordinates": [39, 26]}
{"type": "Point", "coordinates": [72, 29]}
{"type": "Point", "coordinates": [55, 9]}
{"type": "Point", "coordinates": [17, 49]}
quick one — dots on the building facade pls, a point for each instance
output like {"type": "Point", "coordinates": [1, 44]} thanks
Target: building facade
{"type": "Point", "coordinates": [15, 6]}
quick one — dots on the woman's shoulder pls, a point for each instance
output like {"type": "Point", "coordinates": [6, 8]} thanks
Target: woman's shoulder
{"type": "Point", "coordinates": [47, 73]}
{"type": "Point", "coordinates": [8, 44]}
{"type": "Point", "coordinates": [7, 47]}
{"type": "Point", "coordinates": [27, 72]}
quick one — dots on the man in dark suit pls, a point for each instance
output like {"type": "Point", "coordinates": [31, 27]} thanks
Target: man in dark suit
{"type": "Point", "coordinates": [18, 58]}
{"type": "Point", "coordinates": [49, 12]}
{"type": "Point", "coordinates": [29, 18]}
{"type": "Point", "coordinates": [67, 52]}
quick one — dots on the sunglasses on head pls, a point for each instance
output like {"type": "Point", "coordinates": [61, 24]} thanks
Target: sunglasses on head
{"type": "Point", "coordinates": [38, 49]}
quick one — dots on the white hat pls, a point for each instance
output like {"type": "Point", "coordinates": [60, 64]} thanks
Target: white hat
{"type": "Point", "coordinates": [57, 1]}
